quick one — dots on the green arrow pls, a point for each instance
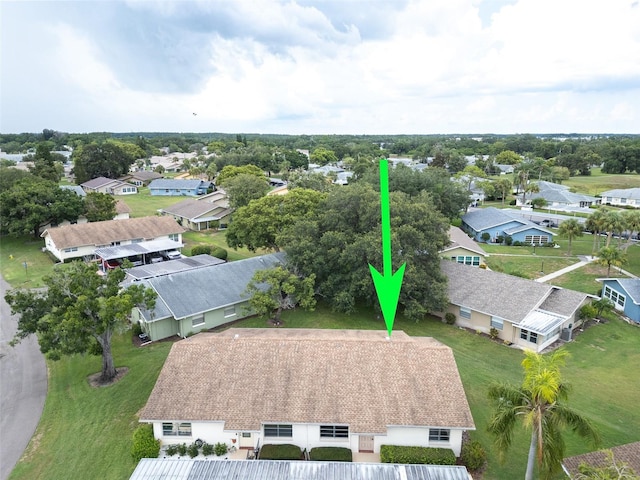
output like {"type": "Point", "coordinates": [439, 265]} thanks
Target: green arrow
{"type": "Point", "coordinates": [387, 284]}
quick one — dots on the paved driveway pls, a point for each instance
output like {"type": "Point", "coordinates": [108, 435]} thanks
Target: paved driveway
{"type": "Point", "coordinates": [23, 388]}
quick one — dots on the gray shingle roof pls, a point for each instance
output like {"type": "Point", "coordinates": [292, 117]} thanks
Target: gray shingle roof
{"type": "Point", "coordinates": [350, 377]}
{"type": "Point", "coordinates": [623, 193]}
{"type": "Point", "coordinates": [192, 208]}
{"type": "Point", "coordinates": [631, 286]}
{"type": "Point", "coordinates": [171, 183]}
{"type": "Point", "coordinates": [103, 233]}
{"type": "Point", "coordinates": [506, 296]}
{"type": "Point", "coordinates": [484, 218]}
{"type": "Point", "coordinates": [191, 469]}
{"type": "Point", "coordinates": [190, 292]}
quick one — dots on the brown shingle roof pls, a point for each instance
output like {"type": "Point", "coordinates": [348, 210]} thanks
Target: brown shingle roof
{"type": "Point", "coordinates": [122, 207]}
{"type": "Point", "coordinates": [629, 454]}
{"type": "Point", "coordinates": [457, 238]}
{"type": "Point", "coordinates": [103, 233]}
{"type": "Point", "coordinates": [248, 376]}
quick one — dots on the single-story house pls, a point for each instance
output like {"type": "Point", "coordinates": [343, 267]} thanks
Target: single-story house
{"type": "Point", "coordinates": [528, 314]}
{"type": "Point", "coordinates": [110, 186]}
{"type": "Point", "coordinates": [624, 293]}
{"type": "Point", "coordinates": [199, 299]}
{"type": "Point", "coordinates": [463, 249]}
{"type": "Point", "coordinates": [622, 197]}
{"type": "Point", "coordinates": [310, 387]}
{"type": "Point", "coordinates": [202, 213]}
{"type": "Point", "coordinates": [141, 178]}
{"type": "Point", "coordinates": [628, 454]}
{"type": "Point", "coordinates": [122, 212]}
{"type": "Point", "coordinates": [497, 223]}
{"type": "Point", "coordinates": [81, 240]}
{"type": "Point", "coordinates": [195, 469]}
{"type": "Point", "coordinates": [170, 186]}
{"type": "Point", "coordinates": [169, 267]}
{"type": "Point", "coordinates": [560, 196]}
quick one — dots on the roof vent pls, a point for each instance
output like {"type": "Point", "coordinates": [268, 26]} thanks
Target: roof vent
{"type": "Point", "coordinates": [236, 336]}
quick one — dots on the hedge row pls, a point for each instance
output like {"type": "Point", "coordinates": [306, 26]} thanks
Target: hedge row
{"type": "Point", "coordinates": [285, 451]}
{"type": "Point", "coordinates": [332, 454]}
{"type": "Point", "coordinates": [417, 455]}
{"type": "Point", "coordinates": [217, 252]}
{"type": "Point", "coordinates": [144, 443]}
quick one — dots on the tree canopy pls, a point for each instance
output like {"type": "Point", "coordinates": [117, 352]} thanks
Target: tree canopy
{"type": "Point", "coordinates": [107, 159]}
{"type": "Point", "coordinates": [99, 207]}
{"type": "Point", "coordinates": [78, 312]}
{"type": "Point", "coordinates": [245, 187]}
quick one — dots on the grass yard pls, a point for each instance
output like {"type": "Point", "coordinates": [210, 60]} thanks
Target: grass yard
{"type": "Point", "coordinates": [144, 204]}
{"type": "Point", "coordinates": [599, 182]}
{"type": "Point", "coordinates": [216, 239]}
{"type": "Point", "coordinates": [14, 252]}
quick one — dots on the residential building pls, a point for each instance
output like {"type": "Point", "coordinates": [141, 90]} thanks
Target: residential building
{"type": "Point", "coordinates": [141, 178]}
{"type": "Point", "coordinates": [622, 197]}
{"type": "Point", "coordinates": [81, 240]}
{"type": "Point", "coordinates": [528, 314]}
{"type": "Point", "coordinates": [202, 213]}
{"type": "Point", "coordinates": [110, 186]}
{"type": "Point", "coordinates": [499, 224]}
{"type": "Point", "coordinates": [624, 293]}
{"type": "Point", "coordinates": [628, 454]}
{"type": "Point", "coordinates": [173, 187]}
{"type": "Point", "coordinates": [559, 196]}
{"type": "Point", "coordinates": [310, 387]}
{"type": "Point", "coordinates": [200, 299]}
{"type": "Point", "coordinates": [463, 249]}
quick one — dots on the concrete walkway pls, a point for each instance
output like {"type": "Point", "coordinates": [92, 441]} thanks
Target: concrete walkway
{"type": "Point", "coordinates": [584, 260]}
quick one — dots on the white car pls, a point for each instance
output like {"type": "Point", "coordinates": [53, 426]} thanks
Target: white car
{"type": "Point", "coordinates": [172, 255]}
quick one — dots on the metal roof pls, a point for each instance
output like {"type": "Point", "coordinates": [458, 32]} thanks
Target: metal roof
{"type": "Point", "coordinates": [171, 266]}
{"type": "Point", "coordinates": [192, 469]}
{"type": "Point", "coordinates": [541, 322]}
{"type": "Point", "coordinates": [140, 248]}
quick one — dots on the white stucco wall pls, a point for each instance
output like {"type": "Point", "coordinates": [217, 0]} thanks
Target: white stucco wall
{"type": "Point", "coordinates": [419, 436]}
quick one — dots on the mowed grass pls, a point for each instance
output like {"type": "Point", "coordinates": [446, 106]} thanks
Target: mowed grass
{"type": "Point", "coordinates": [14, 252]}
{"type": "Point", "coordinates": [85, 432]}
{"type": "Point", "coordinates": [143, 204]}
{"type": "Point", "coordinates": [599, 182]}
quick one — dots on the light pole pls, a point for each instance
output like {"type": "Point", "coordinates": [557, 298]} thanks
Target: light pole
{"type": "Point", "coordinates": [534, 247]}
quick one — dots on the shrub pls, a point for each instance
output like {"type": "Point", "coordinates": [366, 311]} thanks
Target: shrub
{"type": "Point", "coordinates": [207, 449]}
{"type": "Point", "coordinates": [493, 333]}
{"type": "Point", "coordinates": [136, 329]}
{"type": "Point", "coordinates": [193, 450]}
{"type": "Point", "coordinates": [332, 454]}
{"type": "Point", "coordinates": [285, 451]}
{"type": "Point", "coordinates": [220, 449]}
{"type": "Point", "coordinates": [171, 450]}
{"type": "Point", "coordinates": [508, 240]}
{"type": "Point", "coordinates": [201, 250]}
{"type": "Point", "coordinates": [512, 202]}
{"type": "Point", "coordinates": [144, 443]}
{"type": "Point", "coordinates": [485, 237]}
{"type": "Point", "coordinates": [220, 253]}
{"type": "Point", "coordinates": [417, 455]}
{"type": "Point", "coordinates": [450, 318]}
{"type": "Point", "coordinates": [182, 449]}
{"type": "Point", "coordinates": [517, 243]}
{"type": "Point", "coordinates": [500, 239]}
{"type": "Point", "coordinates": [473, 455]}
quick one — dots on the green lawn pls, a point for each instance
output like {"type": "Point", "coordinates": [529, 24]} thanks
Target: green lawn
{"type": "Point", "coordinates": [86, 432]}
{"type": "Point", "coordinates": [144, 204]}
{"type": "Point", "coordinates": [599, 182]}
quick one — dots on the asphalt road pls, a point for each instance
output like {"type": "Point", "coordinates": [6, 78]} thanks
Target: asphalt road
{"type": "Point", "coordinates": [23, 388]}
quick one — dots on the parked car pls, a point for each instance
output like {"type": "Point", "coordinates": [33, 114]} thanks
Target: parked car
{"type": "Point", "coordinates": [172, 255]}
{"type": "Point", "coordinates": [111, 264]}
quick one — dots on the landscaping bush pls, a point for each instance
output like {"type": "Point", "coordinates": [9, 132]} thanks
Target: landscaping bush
{"type": "Point", "coordinates": [517, 243]}
{"type": "Point", "coordinates": [508, 240]}
{"type": "Point", "coordinates": [144, 443]}
{"type": "Point", "coordinates": [485, 237]}
{"type": "Point", "coordinates": [473, 455]}
{"type": "Point", "coordinates": [220, 449]}
{"type": "Point", "coordinates": [493, 333]}
{"type": "Point", "coordinates": [193, 450]}
{"type": "Point", "coordinates": [220, 253]}
{"type": "Point", "coordinates": [182, 449]}
{"type": "Point", "coordinates": [201, 250]}
{"type": "Point", "coordinates": [450, 318]}
{"type": "Point", "coordinates": [207, 449]}
{"type": "Point", "coordinates": [171, 450]}
{"type": "Point", "coordinates": [331, 454]}
{"type": "Point", "coordinates": [136, 329]}
{"type": "Point", "coordinates": [285, 451]}
{"type": "Point", "coordinates": [417, 455]}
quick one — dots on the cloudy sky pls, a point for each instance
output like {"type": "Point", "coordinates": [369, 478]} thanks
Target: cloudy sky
{"type": "Point", "coordinates": [321, 66]}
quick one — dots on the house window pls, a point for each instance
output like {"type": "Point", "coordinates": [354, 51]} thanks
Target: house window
{"type": "Point", "coordinates": [174, 236]}
{"type": "Point", "coordinates": [529, 336]}
{"type": "Point", "coordinates": [476, 261]}
{"type": "Point", "coordinates": [497, 322]}
{"type": "Point", "coordinates": [334, 431]}
{"type": "Point", "coordinates": [176, 429]}
{"type": "Point", "coordinates": [618, 299]}
{"type": "Point", "coordinates": [536, 239]}
{"type": "Point", "coordinates": [72, 249]}
{"type": "Point", "coordinates": [137, 240]}
{"type": "Point", "coordinates": [439, 434]}
{"type": "Point", "coordinates": [115, 244]}
{"type": "Point", "coordinates": [230, 311]}
{"type": "Point", "coordinates": [197, 320]}
{"type": "Point", "coordinates": [278, 430]}
{"type": "Point", "coordinates": [465, 312]}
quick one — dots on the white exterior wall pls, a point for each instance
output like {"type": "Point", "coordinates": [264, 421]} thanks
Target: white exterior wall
{"type": "Point", "coordinates": [419, 436]}
{"type": "Point", "coordinates": [210, 432]}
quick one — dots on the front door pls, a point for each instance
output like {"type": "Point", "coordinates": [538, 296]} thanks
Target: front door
{"type": "Point", "coordinates": [365, 443]}
{"type": "Point", "coordinates": [246, 440]}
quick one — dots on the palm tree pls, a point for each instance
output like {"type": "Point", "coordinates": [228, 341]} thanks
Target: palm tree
{"type": "Point", "coordinates": [595, 223]}
{"type": "Point", "coordinates": [631, 219]}
{"type": "Point", "coordinates": [609, 256]}
{"type": "Point", "coordinates": [570, 228]}
{"type": "Point", "coordinates": [538, 402]}
{"type": "Point", "coordinates": [612, 223]}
